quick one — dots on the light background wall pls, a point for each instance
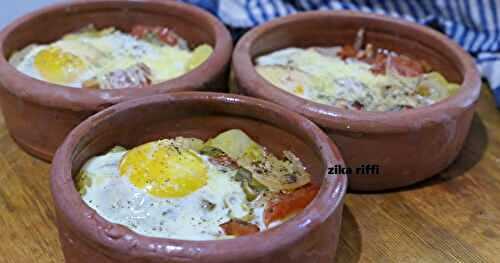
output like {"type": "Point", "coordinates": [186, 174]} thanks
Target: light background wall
{"type": "Point", "coordinates": [10, 9]}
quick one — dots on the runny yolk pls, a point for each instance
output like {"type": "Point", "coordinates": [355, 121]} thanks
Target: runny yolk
{"type": "Point", "coordinates": [163, 170]}
{"type": "Point", "coordinates": [58, 66]}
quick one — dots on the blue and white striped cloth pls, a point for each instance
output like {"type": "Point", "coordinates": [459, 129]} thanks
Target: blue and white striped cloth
{"type": "Point", "coordinates": [474, 24]}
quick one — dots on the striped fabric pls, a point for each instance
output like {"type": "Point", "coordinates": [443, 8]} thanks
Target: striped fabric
{"type": "Point", "coordinates": [474, 24]}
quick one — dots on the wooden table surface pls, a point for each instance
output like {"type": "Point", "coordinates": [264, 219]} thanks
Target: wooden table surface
{"type": "Point", "coordinates": [453, 217]}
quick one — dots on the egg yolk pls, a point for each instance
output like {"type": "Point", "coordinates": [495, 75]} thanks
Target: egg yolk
{"type": "Point", "coordinates": [163, 170]}
{"type": "Point", "coordinates": [58, 66]}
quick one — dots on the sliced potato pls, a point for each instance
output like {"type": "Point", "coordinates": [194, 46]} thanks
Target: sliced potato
{"type": "Point", "coordinates": [89, 31]}
{"type": "Point", "coordinates": [438, 86]}
{"type": "Point", "coordinates": [290, 79]}
{"type": "Point", "coordinates": [194, 144]}
{"type": "Point", "coordinates": [453, 88]}
{"type": "Point", "coordinates": [267, 170]}
{"type": "Point", "coordinates": [278, 175]}
{"type": "Point", "coordinates": [200, 55]}
{"type": "Point", "coordinates": [295, 161]}
{"type": "Point", "coordinates": [237, 145]}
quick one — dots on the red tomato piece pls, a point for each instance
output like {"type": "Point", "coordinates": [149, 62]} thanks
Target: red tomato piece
{"type": "Point", "coordinates": [236, 227]}
{"type": "Point", "coordinates": [287, 204]}
{"type": "Point", "coordinates": [378, 63]}
{"type": "Point", "coordinates": [139, 31]}
{"type": "Point", "coordinates": [407, 67]}
{"type": "Point", "coordinates": [163, 34]}
{"type": "Point", "coordinates": [347, 52]}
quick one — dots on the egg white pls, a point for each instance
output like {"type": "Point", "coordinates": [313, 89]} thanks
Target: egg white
{"type": "Point", "coordinates": [334, 80]}
{"type": "Point", "coordinates": [120, 202]}
{"type": "Point", "coordinates": [110, 52]}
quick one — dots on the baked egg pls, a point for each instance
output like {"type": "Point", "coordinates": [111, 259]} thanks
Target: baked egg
{"type": "Point", "coordinates": [185, 188]}
{"type": "Point", "coordinates": [110, 58]}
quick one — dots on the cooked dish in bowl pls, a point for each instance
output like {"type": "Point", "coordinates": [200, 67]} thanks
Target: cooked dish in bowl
{"type": "Point", "coordinates": [111, 59]}
{"type": "Point", "coordinates": [383, 131]}
{"type": "Point", "coordinates": [355, 77]}
{"type": "Point", "coordinates": [185, 188]}
{"type": "Point", "coordinates": [39, 114]}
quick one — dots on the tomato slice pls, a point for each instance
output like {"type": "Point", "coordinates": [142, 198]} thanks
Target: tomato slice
{"type": "Point", "coordinates": [407, 67]}
{"type": "Point", "coordinates": [378, 63]}
{"type": "Point", "coordinates": [287, 204]}
{"type": "Point", "coordinates": [139, 31]}
{"type": "Point", "coordinates": [163, 34]}
{"type": "Point", "coordinates": [237, 227]}
{"type": "Point", "coordinates": [347, 52]}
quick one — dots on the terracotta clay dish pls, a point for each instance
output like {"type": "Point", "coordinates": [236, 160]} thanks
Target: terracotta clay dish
{"type": "Point", "coordinates": [39, 114]}
{"type": "Point", "coordinates": [310, 236]}
{"type": "Point", "coordinates": [409, 145]}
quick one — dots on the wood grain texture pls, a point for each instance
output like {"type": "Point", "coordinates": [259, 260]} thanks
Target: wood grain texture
{"type": "Point", "coordinates": [452, 217]}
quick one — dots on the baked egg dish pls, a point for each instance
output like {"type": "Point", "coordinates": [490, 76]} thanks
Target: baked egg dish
{"type": "Point", "coordinates": [111, 59]}
{"type": "Point", "coordinates": [355, 77]}
{"type": "Point", "coordinates": [189, 189]}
